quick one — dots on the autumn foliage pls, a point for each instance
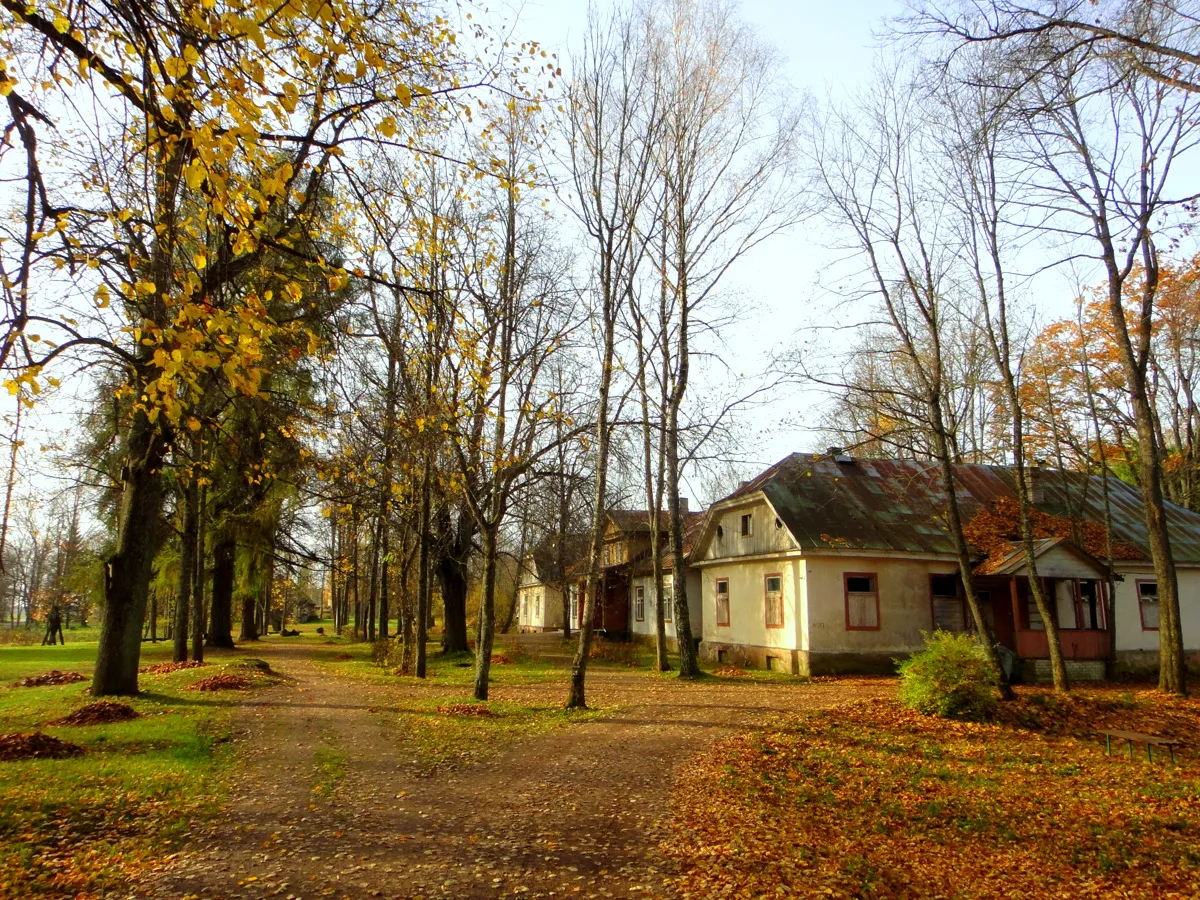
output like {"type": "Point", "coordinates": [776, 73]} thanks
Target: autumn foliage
{"type": "Point", "coordinates": [101, 712]}
{"type": "Point", "coordinates": [994, 529]}
{"type": "Point", "coordinates": [874, 800]}
{"type": "Point", "coordinates": [35, 746]}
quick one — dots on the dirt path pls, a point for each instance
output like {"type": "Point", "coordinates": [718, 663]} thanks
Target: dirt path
{"type": "Point", "coordinates": [576, 812]}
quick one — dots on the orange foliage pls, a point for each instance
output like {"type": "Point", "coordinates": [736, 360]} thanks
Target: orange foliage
{"type": "Point", "coordinates": [871, 800]}
{"type": "Point", "coordinates": [994, 528]}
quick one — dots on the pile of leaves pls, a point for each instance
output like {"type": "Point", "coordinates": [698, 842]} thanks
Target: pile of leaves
{"type": "Point", "coordinates": [730, 672]}
{"type": "Point", "coordinates": [102, 712]}
{"type": "Point", "coordinates": [501, 659]}
{"type": "Point", "coordinates": [466, 709]}
{"type": "Point", "coordinates": [35, 746]}
{"type": "Point", "coordinates": [994, 528]}
{"type": "Point", "coordinates": [622, 654]}
{"type": "Point", "coordinates": [52, 677]}
{"type": "Point", "coordinates": [168, 668]}
{"type": "Point", "coordinates": [873, 800]}
{"type": "Point", "coordinates": [341, 656]}
{"type": "Point", "coordinates": [222, 683]}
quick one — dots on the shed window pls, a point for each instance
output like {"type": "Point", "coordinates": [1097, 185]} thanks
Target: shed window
{"type": "Point", "coordinates": [639, 603]}
{"type": "Point", "coordinates": [723, 601]}
{"type": "Point", "coordinates": [1148, 604]}
{"type": "Point", "coordinates": [773, 585]}
{"type": "Point", "coordinates": [747, 525]}
{"type": "Point", "coordinates": [862, 601]}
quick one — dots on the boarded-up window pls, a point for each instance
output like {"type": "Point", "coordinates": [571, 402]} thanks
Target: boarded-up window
{"type": "Point", "coordinates": [1148, 604]}
{"type": "Point", "coordinates": [948, 613]}
{"type": "Point", "coordinates": [1032, 615]}
{"type": "Point", "coordinates": [774, 601]}
{"type": "Point", "coordinates": [639, 603]}
{"type": "Point", "coordinates": [862, 602]}
{"type": "Point", "coordinates": [722, 601]}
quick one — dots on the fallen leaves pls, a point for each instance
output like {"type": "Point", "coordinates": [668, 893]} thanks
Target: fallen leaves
{"type": "Point", "coordinates": [35, 746]}
{"type": "Point", "coordinates": [52, 677]}
{"type": "Point", "coordinates": [221, 683]}
{"type": "Point", "coordinates": [168, 668]}
{"type": "Point", "coordinates": [872, 800]}
{"type": "Point", "coordinates": [730, 672]}
{"type": "Point", "coordinates": [101, 712]}
{"type": "Point", "coordinates": [466, 709]}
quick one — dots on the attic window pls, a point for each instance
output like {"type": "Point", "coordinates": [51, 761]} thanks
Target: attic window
{"type": "Point", "coordinates": [778, 523]}
{"type": "Point", "coordinates": [747, 525]}
{"type": "Point", "coordinates": [720, 532]}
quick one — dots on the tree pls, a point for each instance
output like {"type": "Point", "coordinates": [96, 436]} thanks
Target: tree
{"type": "Point", "coordinates": [610, 123]}
{"type": "Point", "coordinates": [873, 169]}
{"type": "Point", "coordinates": [724, 155]}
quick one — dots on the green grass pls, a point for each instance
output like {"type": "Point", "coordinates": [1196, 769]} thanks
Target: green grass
{"type": "Point", "coordinates": [86, 825]}
{"type": "Point", "coordinates": [329, 763]}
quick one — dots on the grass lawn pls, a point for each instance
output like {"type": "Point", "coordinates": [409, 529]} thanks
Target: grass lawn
{"type": "Point", "coordinates": [873, 800]}
{"type": "Point", "coordinates": [82, 826]}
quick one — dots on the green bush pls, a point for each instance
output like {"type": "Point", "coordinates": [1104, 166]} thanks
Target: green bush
{"type": "Point", "coordinates": [950, 678]}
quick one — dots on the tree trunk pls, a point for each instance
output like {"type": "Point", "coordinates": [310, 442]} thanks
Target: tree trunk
{"type": "Point", "coordinates": [424, 588]}
{"type": "Point", "coordinates": [127, 580]}
{"type": "Point", "coordinates": [198, 617]}
{"type": "Point", "coordinates": [487, 615]}
{"type": "Point", "coordinates": [250, 594]}
{"type": "Point", "coordinates": [452, 576]}
{"type": "Point", "coordinates": [220, 624]}
{"type": "Point", "coordinates": [187, 564]}
{"type": "Point", "coordinates": [963, 552]}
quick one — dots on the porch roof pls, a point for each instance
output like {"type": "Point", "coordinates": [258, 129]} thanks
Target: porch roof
{"type": "Point", "coordinates": [1068, 558]}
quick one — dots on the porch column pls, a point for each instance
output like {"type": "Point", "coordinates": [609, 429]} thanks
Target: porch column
{"type": "Point", "coordinates": [1016, 606]}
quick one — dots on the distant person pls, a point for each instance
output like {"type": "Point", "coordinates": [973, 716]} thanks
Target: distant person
{"type": "Point", "coordinates": [54, 628]}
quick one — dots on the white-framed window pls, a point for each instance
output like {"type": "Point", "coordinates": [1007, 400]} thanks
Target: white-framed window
{"type": "Point", "coordinates": [1148, 604]}
{"type": "Point", "coordinates": [723, 601]}
{"type": "Point", "coordinates": [525, 605]}
{"type": "Point", "coordinates": [639, 603]}
{"type": "Point", "coordinates": [573, 593]}
{"type": "Point", "coordinates": [668, 599]}
{"type": "Point", "coordinates": [537, 603]}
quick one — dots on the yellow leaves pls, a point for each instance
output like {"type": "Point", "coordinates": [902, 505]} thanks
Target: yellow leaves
{"type": "Point", "coordinates": [61, 24]}
{"type": "Point", "coordinates": [404, 95]}
{"type": "Point", "coordinates": [103, 298]}
{"type": "Point", "coordinates": [194, 174]}
{"type": "Point", "coordinates": [387, 127]}
{"type": "Point", "coordinates": [199, 259]}
{"type": "Point", "coordinates": [193, 423]}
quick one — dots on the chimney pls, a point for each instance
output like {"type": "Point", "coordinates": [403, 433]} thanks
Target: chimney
{"type": "Point", "coordinates": [1035, 482]}
{"type": "Point", "coordinates": [839, 454]}
{"type": "Point", "coordinates": [683, 505]}
{"type": "Point", "coordinates": [833, 451]}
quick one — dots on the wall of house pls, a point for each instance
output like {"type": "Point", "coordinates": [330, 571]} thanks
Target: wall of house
{"type": "Point", "coordinates": [539, 607]}
{"type": "Point", "coordinates": [1131, 636]}
{"type": "Point", "coordinates": [905, 611]}
{"type": "Point", "coordinates": [768, 534]}
{"type": "Point", "coordinates": [747, 603]}
{"type": "Point", "coordinates": [695, 604]}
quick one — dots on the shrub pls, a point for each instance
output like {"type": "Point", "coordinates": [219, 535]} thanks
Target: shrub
{"type": "Point", "coordinates": [950, 678]}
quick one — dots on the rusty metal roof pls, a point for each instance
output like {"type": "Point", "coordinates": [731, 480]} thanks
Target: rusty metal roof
{"type": "Point", "coordinates": [899, 504]}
